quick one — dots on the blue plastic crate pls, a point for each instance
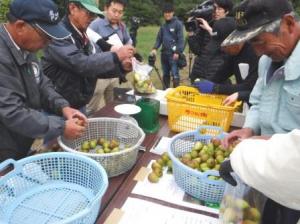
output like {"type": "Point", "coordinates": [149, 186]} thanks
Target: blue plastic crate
{"type": "Point", "coordinates": [192, 181]}
{"type": "Point", "coordinates": [52, 188]}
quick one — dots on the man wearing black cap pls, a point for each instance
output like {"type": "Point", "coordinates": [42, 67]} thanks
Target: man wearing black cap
{"type": "Point", "coordinates": [170, 36]}
{"type": "Point", "coordinates": [75, 64]}
{"type": "Point", "coordinates": [24, 90]}
{"type": "Point", "coordinates": [273, 29]}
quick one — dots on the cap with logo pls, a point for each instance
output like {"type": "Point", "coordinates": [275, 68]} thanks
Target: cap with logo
{"type": "Point", "coordinates": [90, 5]}
{"type": "Point", "coordinates": [256, 16]}
{"type": "Point", "coordinates": [42, 14]}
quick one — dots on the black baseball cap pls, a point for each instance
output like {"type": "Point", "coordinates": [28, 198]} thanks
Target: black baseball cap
{"type": "Point", "coordinates": [168, 7]}
{"type": "Point", "coordinates": [256, 16]}
{"type": "Point", "coordinates": [40, 13]}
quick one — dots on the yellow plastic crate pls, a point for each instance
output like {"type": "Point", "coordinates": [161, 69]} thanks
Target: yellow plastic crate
{"type": "Point", "coordinates": [188, 109]}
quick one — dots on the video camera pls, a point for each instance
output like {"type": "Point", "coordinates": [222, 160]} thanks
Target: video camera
{"type": "Point", "coordinates": [151, 59]}
{"type": "Point", "coordinates": [204, 10]}
{"type": "Point", "coordinates": [135, 22]}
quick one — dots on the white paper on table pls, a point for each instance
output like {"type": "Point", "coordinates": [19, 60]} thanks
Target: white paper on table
{"type": "Point", "coordinates": [137, 211]}
{"type": "Point", "coordinates": [161, 146]}
{"type": "Point", "coordinates": [115, 40]}
{"type": "Point", "coordinates": [167, 190]}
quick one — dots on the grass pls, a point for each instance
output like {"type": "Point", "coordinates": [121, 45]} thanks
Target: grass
{"type": "Point", "coordinates": [145, 40]}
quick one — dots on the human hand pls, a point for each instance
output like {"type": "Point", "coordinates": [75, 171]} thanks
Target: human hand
{"type": "Point", "coordinates": [71, 113]}
{"type": "Point", "coordinates": [231, 99]}
{"type": "Point", "coordinates": [175, 56]}
{"type": "Point", "coordinates": [236, 135]}
{"type": "Point", "coordinates": [126, 51]}
{"type": "Point", "coordinates": [204, 86]}
{"type": "Point", "coordinates": [73, 129]}
{"type": "Point", "coordinates": [225, 170]}
{"type": "Point", "coordinates": [204, 25]}
{"type": "Point", "coordinates": [153, 52]}
{"type": "Point", "coordinates": [127, 65]}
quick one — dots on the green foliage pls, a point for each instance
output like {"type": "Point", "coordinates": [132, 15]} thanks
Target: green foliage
{"type": "Point", "coordinates": [4, 5]}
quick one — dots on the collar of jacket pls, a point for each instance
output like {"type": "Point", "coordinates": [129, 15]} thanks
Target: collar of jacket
{"type": "Point", "coordinates": [292, 65]}
{"type": "Point", "coordinates": [67, 24]}
{"type": "Point", "coordinates": [17, 53]}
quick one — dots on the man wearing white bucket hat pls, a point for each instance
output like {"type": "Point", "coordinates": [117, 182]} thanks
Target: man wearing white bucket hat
{"type": "Point", "coordinates": [24, 91]}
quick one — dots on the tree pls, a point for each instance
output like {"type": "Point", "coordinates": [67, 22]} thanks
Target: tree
{"type": "Point", "coordinates": [4, 7]}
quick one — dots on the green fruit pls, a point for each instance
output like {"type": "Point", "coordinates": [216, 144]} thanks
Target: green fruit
{"type": "Point", "coordinates": [204, 167]}
{"type": "Point", "coordinates": [241, 204]}
{"type": "Point", "coordinates": [85, 146]}
{"type": "Point", "coordinates": [204, 157]}
{"type": "Point", "coordinates": [210, 162]}
{"type": "Point", "coordinates": [161, 162]}
{"type": "Point", "coordinates": [194, 154]}
{"type": "Point", "coordinates": [253, 214]}
{"type": "Point", "coordinates": [165, 157]}
{"type": "Point", "coordinates": [158, 172]}
{"type": "Point", "coordinates": [153, 178]}
{"type": "Point", "coordinates": [93, 143]}
{"type": "Point", "coordinates": [116, 149]}
{"type": "Point", "coordinates": [229, 216]}
{"type": "Point", "coordinates": [106, 150]}
{"type": "Point", "coordinates": [187, 156]}
{"type": "Point", "coordinates": [217, 167]}
{"type": "Point", "coordinates": [113, 144]}
{"type": "Point", "coordinates": [219, 152]}
{"type": "Point", "coordinates": [100, 151]}
{"type": "Point", "coordinates": [105, 144]}
{"type": "Point", "coordinates": [220, 159]}
{"type": "Point", "coordinates": [198, 146]}
{"type": "Point", "coordinates": [155, 165]}
{"type": "Point", "coordinates": [101, 141]}
{"type": "Point", "coordinates": [216, 142]}
{"type": "Point", "coordinates": [213, 178]}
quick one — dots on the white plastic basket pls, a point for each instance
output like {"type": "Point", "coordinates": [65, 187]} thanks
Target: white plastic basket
{"type": "Point", "coordinates": [123, 131]}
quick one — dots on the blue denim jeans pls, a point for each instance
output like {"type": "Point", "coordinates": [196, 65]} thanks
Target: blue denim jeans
{"type": "Point", "coordinates": [169, 66]}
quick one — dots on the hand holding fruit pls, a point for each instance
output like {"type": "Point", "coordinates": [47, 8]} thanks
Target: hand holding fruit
{"type": "Point", "coordinates": [235, 135]}
{"type": "Point", "coordinates": [71, 113]}
{"type": "Point", "coordinates": [73, 129]}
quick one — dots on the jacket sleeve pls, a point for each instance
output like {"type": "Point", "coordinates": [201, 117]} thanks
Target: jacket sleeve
{"type": "Point", "coordinates": [180, 38]}
{"type": "Point", "coordinates": [276, 166]}
{"type": "Point", "coordinates": [101, 64]}
{"type": "Point", "coordinates": [245, 85]}
{"type": "Point", "coordinates": [51, 100]}
{"type": "Point", "coordinates": [159, 37]}
{"type": "Point", "coordinates": [252, 118]}
{"type": "Point", "coordinates": [16, 115]}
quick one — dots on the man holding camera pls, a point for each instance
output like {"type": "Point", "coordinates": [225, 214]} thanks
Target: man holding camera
{"type": "Point", "coordinates": [170, 36]}
{"type": "Point", "coordinates": [209, 59]}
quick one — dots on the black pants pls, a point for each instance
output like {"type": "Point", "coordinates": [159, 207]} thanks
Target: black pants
{"type": "Point", "coordinates": [275, 213]}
